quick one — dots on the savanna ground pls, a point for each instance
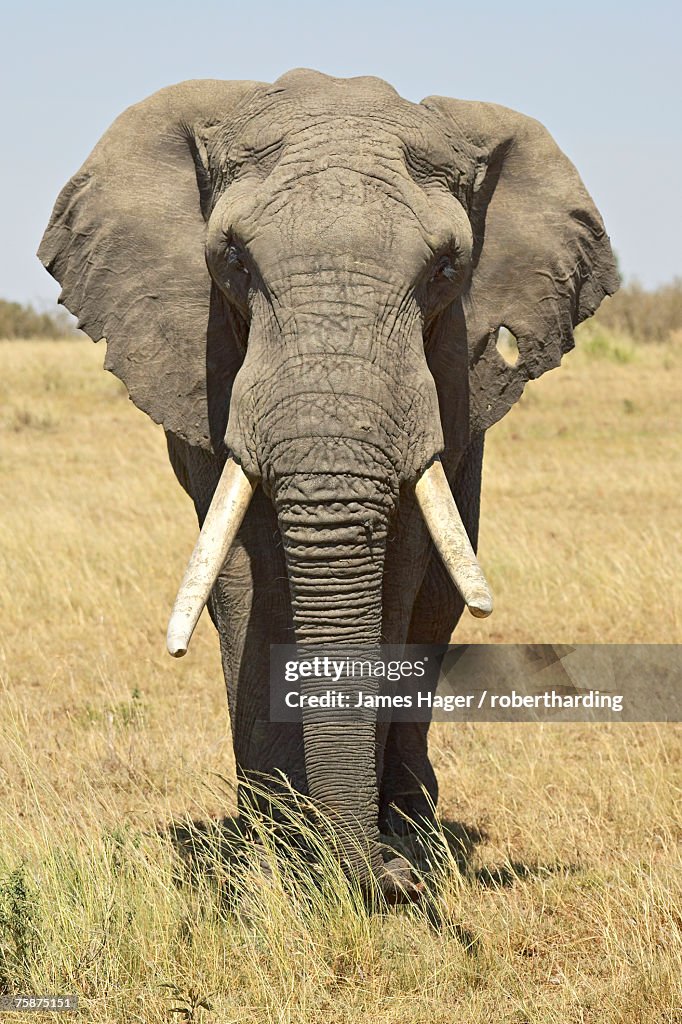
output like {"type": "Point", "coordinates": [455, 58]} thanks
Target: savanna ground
{"type": "Point", "coordinates": [558, 898]}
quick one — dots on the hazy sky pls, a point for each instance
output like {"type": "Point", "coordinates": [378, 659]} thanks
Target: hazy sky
{"type": "Point", "coordinates": [603, 77]}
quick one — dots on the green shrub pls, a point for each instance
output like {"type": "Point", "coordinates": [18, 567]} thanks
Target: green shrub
{"type": "Point", "coordinates": [17, 321]}
{"type": "Point", "coordinates": [19, 937]}
{"type": "Point", "coordinates": [599, 345]}
{"type": "Point", "coordinates": [645, 316]}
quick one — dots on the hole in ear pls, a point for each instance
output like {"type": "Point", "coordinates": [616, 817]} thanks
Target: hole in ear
{"type": "Point", "coordinates": [507, 346]}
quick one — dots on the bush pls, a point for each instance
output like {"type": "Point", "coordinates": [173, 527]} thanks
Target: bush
{"type": "Point", "coordinates": [19, 941]}
{"type": "Point", "coordinates": [597, 344]}
{"type": "Point", "coordinates": [17, 321]}
{"type": "Point", "coordinates": [646, 316]}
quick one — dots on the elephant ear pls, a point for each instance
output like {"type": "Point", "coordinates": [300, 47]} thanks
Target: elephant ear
{"type": "Point", "coordinates": [542, 259]}
{"type": "Point", "coordinates": [126, 242]}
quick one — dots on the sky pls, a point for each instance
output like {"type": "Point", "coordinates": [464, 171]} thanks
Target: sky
{"type": "Point", "coordinates": [604, 78]}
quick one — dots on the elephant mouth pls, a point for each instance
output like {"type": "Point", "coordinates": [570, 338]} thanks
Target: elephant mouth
{"type": "Point", "coordinates": [229, 506]}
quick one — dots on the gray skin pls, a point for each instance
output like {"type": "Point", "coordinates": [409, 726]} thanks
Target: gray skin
{"type": "Point", "coordinates": [362, 253]}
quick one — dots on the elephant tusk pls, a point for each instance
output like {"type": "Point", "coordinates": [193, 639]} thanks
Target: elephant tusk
{"type": "Point", "coordinates": [445, 525]}
{"type": "Point", "coordinates": [223, 519]}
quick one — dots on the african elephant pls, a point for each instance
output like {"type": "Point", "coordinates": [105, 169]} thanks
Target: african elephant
{"type": "Point", "coordinates": [304, 282]}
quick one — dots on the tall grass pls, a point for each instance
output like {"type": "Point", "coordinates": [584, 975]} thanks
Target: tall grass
{"type": "Point", "coordinates": [554, 889]}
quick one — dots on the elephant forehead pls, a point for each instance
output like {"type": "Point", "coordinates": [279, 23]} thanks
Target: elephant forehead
{"type": "Point", "coordinates": [360, 117]}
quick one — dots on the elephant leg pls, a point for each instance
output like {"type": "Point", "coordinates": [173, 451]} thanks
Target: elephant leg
{"type": "Point", "coordinates": [409, 783]}
{"type": "Point", "coordinates": [250, 607]}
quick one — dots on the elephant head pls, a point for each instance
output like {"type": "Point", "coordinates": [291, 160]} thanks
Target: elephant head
{"type": "Point", "coordinates": [311, 276]}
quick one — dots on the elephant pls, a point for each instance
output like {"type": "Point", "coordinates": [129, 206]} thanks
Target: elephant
{"type": "Point", "coordinates": [304, 282]}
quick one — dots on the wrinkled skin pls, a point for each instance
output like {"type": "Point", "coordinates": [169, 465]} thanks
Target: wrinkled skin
{"type": "Point", "coordinates": [363, 251]}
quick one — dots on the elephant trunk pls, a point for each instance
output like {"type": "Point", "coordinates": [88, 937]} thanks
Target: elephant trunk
{"type": "Point", "coordinates": [335, 560]}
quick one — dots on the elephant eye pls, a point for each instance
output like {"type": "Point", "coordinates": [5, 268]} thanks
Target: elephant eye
{"type": "Point", "coordinates": [235, 260]}
{"type": "Point", "coordinates": [444, 269]}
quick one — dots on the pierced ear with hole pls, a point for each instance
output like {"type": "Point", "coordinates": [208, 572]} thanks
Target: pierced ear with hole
{"type": "Point", "coordinates": [542, 259]}
{"type": "Point", "coordinates": [126, 242]}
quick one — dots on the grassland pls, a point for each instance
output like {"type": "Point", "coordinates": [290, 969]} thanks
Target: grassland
{"type": "Point", "coordinates": [562, 902]}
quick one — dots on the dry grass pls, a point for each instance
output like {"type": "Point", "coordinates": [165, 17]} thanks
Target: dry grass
{"type": "Point", "coordinates": [580, 511]}
{"type": "Point", "coordinates": [563, 903]}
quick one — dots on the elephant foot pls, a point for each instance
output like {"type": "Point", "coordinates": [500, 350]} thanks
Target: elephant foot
{"type": "Point", "coordinates": [395, 879]}
{"type": "Point", "coordinates": [411, 836]}
{"type": "Point", "coordinates": [397, 882]}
